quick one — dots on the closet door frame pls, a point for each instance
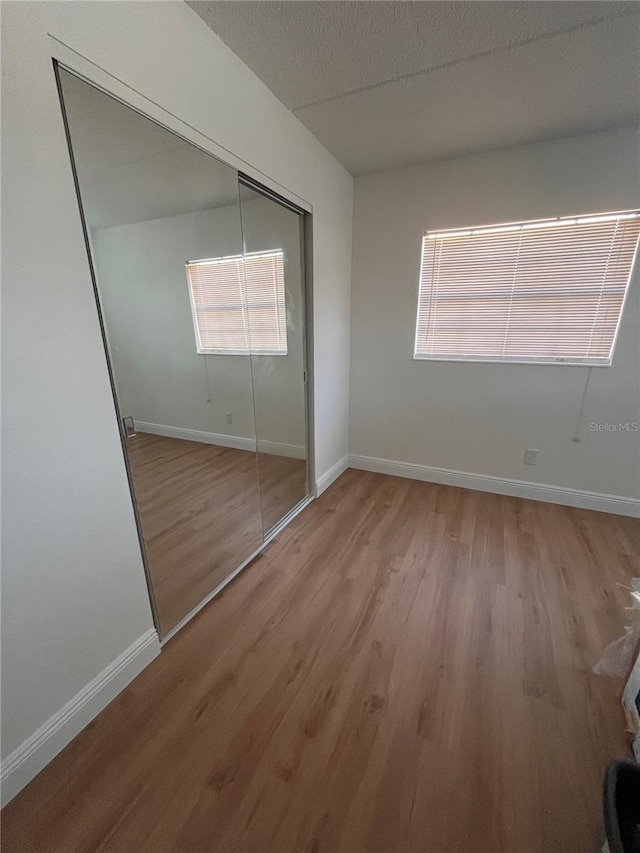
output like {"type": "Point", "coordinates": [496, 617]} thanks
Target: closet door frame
{"type": "Point", "coordinates": [69, 60]}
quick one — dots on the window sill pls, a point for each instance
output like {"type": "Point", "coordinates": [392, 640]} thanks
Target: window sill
{"type": "Point", "coordinates": [549, 362]}
{"type": "Point", "coordinates": [239, 352]}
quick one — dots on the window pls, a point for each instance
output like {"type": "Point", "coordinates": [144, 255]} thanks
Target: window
{"type": "Point", "coordinates": [542, 291]}
{"type": "Point", "coordinates": [238, 304]}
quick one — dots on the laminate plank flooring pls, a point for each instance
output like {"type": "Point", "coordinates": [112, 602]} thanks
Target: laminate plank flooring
{"type": "Point", "coordinates": [283, 484]}
{"type": "Point", "coordinates": [202, 509]}
{"type": "Point", "coordinates": [407, 667]}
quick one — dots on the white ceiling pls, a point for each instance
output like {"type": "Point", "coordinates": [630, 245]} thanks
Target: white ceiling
{"type": "Point", "coordinates": [131, 169]}
{"type": "Point", "coordinates": [390, 83]}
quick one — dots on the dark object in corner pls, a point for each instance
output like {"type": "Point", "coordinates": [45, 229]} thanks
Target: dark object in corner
{"type": "Point", "coordinates": [621, 802]}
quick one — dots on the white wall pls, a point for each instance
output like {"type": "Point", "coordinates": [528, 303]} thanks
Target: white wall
{"type": "Point", "coordinates": [160, 377]}
{"type": "Point", "coordinates": [480, 417]}
{"type": "Point", "coordinates": [73, 588]}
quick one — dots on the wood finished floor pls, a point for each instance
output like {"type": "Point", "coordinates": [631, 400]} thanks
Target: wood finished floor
{"type": "Point", "coordinates": [283, 484]}
{"type": "Point", "coordinates": [202, 510]}
{"type": "Point", "coordinates": [407, 667]}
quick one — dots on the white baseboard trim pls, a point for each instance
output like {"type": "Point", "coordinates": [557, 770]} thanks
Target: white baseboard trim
{"type": "Point", "coordinates": [27, 760]}
{"type": "Point", "coordinates": [323, 482]}
{"type": "Point", "coordinates": [277, 448]}
{"type": "Point", "coordinates": [220, 439]}
{"type": "Point", "coordinates": [501, 486]}
{"type": "Point", "coordinates": [293, 451]}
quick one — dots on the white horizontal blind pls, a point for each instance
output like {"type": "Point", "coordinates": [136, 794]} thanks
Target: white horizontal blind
{"type": "Point", "coordinates": [267, 319]}
{"type": "Point", "coordinates": [544, 291]}
{"type": "Point", "coordinates": [238, 304]}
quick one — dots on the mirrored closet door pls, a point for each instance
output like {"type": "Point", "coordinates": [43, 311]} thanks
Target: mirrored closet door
{"type": "Point", "coordinates": [274, 275]}
{"type": "Point", "coordinates": [199, 283]}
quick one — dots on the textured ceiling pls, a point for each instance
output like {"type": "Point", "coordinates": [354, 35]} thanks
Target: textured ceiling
{"type": "Point", "coordinates": [389, 83]}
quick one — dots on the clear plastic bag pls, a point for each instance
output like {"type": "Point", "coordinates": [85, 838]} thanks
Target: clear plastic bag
{"type": "Point", "coordinates": [620, 654]}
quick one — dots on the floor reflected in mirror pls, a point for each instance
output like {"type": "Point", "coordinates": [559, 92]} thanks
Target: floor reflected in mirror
{"type": "Point", "coordinates": [200, 512]}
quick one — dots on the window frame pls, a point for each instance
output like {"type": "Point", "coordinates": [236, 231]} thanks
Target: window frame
{"type": "Point", "coordinates": [200, 350]}
{"type": "Point", "coordinates": [532, 360]}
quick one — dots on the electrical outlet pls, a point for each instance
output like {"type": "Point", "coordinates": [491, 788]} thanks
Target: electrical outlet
{"type": "Point", "coordinates": [530, 456]}
{"type": "Point", "coordinates": [228, 417]}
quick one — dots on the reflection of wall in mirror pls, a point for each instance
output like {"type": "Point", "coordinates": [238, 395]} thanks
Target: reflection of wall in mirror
{"type": "Point", "coordinates": [161, 379]}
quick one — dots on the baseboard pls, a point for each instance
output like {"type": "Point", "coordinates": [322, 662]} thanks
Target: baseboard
{"type": "Point", "coordinates": [501, 486]}
{"type": "Point", "coordinates": [220, 439]}
{"type": "Point", "coordinates": [293, 451]}
{"type": "Point", "coordinates": [45, 743]}
{"type": "Point", "coordinates": [323, 482]}
{"type": "Point", "coordinates": [277, 448]}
